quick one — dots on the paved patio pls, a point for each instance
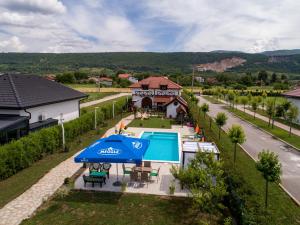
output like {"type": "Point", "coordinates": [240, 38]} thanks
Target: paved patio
{"type": "Point", "coordinates": [158, 188]}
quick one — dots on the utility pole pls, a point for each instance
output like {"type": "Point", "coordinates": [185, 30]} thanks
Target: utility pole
{"type": "Point", "coordinates": [113, 109]}
{"type": "Point", "coordinates": [96, 117]}
{"type": "Point", "coordinates": [62, 131]}
{"type": "Point", "coordinates": [193, 78]}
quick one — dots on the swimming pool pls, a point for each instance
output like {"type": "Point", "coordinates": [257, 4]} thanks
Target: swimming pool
{"type": "Point", "coordinates": [163, 146]}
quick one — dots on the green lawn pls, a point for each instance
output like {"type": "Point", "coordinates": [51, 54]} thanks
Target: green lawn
{"type": "Point", "coordinates": [82, 85]}
{"type": "Point", "coordinates": [97, 95]}
{"type": "Point", "coordinates": [108, 208]}
{"type": "Point", "coordinates": [20, 182]}
{"type": "Point", "coordinates": [152, 123]}
{"type": "Point", "coordinates": [281, 206]}
{"type": "Point", "coordinates": [276, 131]}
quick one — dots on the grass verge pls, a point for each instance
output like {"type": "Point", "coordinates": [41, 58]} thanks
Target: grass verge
{"type": "Point", "coordinates": [281, 207]}
{"type": "Point", "coordinates": [15, 185]}
{"type": "Point", "coordinates": [97, 95]}
{"type": "Point", "coordinates": [276, 131]}
{"type": "Point", "coordinates": [83, 207]}
{"type": "Point", "coordinates": [152, 123]}
{"type": "Point", "coordinates": [212, 99]}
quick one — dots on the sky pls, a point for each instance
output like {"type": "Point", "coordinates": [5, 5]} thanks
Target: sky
{"type": "Point", "coordinates": [148, 25]}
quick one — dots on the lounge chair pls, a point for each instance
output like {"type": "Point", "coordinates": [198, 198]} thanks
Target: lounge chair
{"type": "Point", "coordinates": [126, 170]}
{"type": "Point", "coordinates": [155, 173]}
{"type": "Point", "coordinates": [145, 178]}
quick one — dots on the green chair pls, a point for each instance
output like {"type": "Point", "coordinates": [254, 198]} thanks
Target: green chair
{"type": "Point", "coordinates": [155, 173]}
{"type": "Point", "coordinates": [126, 170]}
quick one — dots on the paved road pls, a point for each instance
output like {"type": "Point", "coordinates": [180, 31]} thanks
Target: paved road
{"type": "Point", "coordinates": [264, 118]}
{"type": "Point", "coordinates": [107, 98]}
{"type": "Point", "coordinates": [258, 140]}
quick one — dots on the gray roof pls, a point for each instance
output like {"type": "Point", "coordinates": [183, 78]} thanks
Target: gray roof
{"type": "Point", "coordinates": [19, 91]}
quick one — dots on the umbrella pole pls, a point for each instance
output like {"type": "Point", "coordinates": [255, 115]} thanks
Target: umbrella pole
{"type": "Point", "coordinates": [117, 183]}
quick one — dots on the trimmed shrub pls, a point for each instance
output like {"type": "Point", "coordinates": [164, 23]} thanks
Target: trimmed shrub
{"type": "Point", "coordinates": [22, 153]}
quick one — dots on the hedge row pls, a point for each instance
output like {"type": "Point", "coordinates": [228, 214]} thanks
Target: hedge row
{"type": "Point", "coordinates": [22, 153]}
{"type": "Point", "coordinates": [242, 198]}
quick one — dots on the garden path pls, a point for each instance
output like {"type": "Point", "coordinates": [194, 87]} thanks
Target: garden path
{"type": "Point", "coordinates": [24, 206]}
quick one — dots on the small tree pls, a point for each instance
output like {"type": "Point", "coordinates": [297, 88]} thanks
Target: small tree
{"type": "Point", "coordinates": [268, 164]}
{"type": "Point", "coordinates": [292, 115]}
{"type": "Point", "coordinates": [231, 97]}
{"type": "Point", "coordinates": [264, 96]}
{"type": "Point", "coordinates": [244, 101]}
{"type": "Point", "coordinates": [270, 104]}
{"type": "Point", "coordinates": [205, 108]}
{"type": "Point", "coordinates": [221, 121]}
{"type": "Point", "coordinates": [205, 180]}
{"type": "Point", "coordinates": [237, 136]}
{"type": "Point", "coordinates": [254, 106]}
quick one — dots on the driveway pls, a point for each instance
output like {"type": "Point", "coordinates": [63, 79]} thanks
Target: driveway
{"type": "Point", "coordinates": [257, 140]}
{"type": "Point", "coordinates": [107, 98]}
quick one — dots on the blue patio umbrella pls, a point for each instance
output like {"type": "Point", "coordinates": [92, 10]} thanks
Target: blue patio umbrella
{"type": "Point", "coordinates": [114, 149]}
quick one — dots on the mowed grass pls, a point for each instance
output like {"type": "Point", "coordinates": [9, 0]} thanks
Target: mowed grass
{"type": "Point", "coordinates": [280, 206]}
{"type": "Point", "coordinates": [108, 208]}
{"type": "Point", "coordinates": [102, 104]}
{"type": "Point", "coordinates": [97, 95]}
{"type": "Point", "coordinates": [20, 182]}
{"type": "Point", "coordinates": [212, 99]}
{"type": "Point", "coordinates": [152, 122]}
{"type": "Point", "coordinates": [276, 131]}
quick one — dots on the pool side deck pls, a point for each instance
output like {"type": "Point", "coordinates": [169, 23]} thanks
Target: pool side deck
{"type": "Point", "coordinates": [157, 188]}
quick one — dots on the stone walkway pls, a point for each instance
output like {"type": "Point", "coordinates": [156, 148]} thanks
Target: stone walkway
{"type": "Point", "coordinates": [107, 98]}
{"type": "Point", "coordinates": [24, 206]}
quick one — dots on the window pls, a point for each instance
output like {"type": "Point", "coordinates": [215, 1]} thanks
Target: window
{"type": "Point", "coordinates": [175, 103]}
{"type": "Point", "coordinates": [163, 87]}
{"type": "Point", "coordinates": [145, 86]}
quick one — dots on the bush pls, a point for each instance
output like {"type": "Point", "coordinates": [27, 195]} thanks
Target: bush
{"type": "Point", "coordinates": [22, 153]}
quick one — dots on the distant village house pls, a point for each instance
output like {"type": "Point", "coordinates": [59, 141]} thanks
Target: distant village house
{"type": "Point", "coordinates": [129, 77]}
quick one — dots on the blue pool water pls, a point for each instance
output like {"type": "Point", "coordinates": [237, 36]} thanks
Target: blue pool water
{"type": "Point", "coordinates": [163, 146]}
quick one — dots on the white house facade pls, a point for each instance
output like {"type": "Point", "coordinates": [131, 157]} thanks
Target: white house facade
{"type": "Point", "coordinates": [156, 93]}
{"type": "Point", "coordinates": [29, 102]}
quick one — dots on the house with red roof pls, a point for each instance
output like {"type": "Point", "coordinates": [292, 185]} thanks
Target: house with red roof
{"type": "Point", "coordinates": [128, 76]}
{"type": "Point", "coordinates": [294, 97]}
{"type": "Point", "coordinates": [159, 93]}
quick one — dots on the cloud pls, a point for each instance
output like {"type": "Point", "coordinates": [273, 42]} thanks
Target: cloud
{"type": "Point", "coordinates": [36, 6]}
{"type": "Point", "coordinates": [12, 45]}
{"type": "Point", "coordinates": [231, 24]}
{"type": "Point", "coordinates": [156, 25]}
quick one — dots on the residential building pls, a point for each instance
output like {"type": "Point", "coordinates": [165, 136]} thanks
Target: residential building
{"type": "Point", "coordinates": [159, 93]}
{"type": "Point", "coordinates": [129, 77]}
{"type": "Point", "coordinates": [200, 79]}
{"type": "Point", "coordinates": [294, 97]}
{"type": "Point", "coordinates": [29, 102]}
{"type": "Point", "coordinates": [106, 81]}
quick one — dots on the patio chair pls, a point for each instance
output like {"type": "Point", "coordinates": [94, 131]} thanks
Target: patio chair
{"type": "Point", "coordinates": [147, 164]}
{"type": "Point", "coordinates": [134, 176]}
{"type": "Point", "coordinates": [155, 173]}
{"type": "Point", "coordinates": [126, 170]}
{"type": "Point", "coordinates": [145, 178]}
{"type": "Point", "coordinates": [106, 167]}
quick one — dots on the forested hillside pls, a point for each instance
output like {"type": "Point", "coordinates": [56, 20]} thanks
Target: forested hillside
{"type": "Point", "coordinates": [141, 61]}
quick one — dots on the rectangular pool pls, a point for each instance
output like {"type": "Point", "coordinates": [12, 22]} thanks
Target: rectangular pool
{"type": "Point", "coordinates": [163, 146]}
